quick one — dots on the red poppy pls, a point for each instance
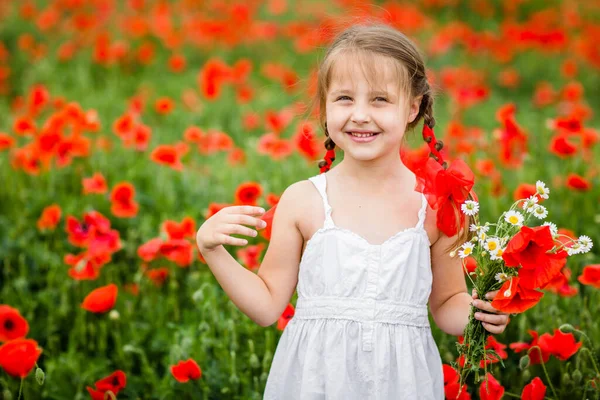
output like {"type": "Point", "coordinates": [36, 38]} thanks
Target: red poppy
{"type": "Point", "coordinates": [285, 317]}
{"type": "Point", "coordinates": [95, 185]}
{"type": "Point", "coordinates": [590, 276]}
{"type": "Point", "coordinates": [167, 155]}
{"type": "Point", "coordinates": [534, 390]}
{"type": "Point", "coordinates": [470, 265]}
{"type": "Point", "coordinates": [177, 63]}
{"type": "Point", "coordinates": [306, 142]}
{"type": "Point", "coordinates": [179, 251]}
{"type": "Point", "coordinates": [214, 208]}
{"type": "Point", "coordinates": [114, 382]}
{"type": "Point", "coordinates": [492, 390]}
{"type": "Point", "coordinates": [577, 182]}
{"type": "Point", "coordinates": [514, 298]}
{"type": "Point", "coordinates": [528, 248]}
{"type": "Point", "coordinates": [187, 228]}
{"type": "Point", "coordinates": [560, 284]}
{"type": "Point", "coordinates": [158, 275]}
{"type": "Point", "coordinates": [250, 256]}
{"type": "Point", "coordinates": [451, 385]}
{"type": "Point", "coordinates": [183, 371]}
{"type": "Point", "coordinates": [193, 134]}
{"type": "Point", "coordinates": [124, 125]}
{"type": "Point", "coordinates": [6, 141]}
{"type": "Point", "coordinates": [24, 126]}
{"type": "Point", "coordinates": [164, 106]}
{"type": "Point", "coordinates": [498, 347]}
{"type": "Point", "coordinates": [12, 324]}
{"type": "Point", "coordinates": [212, 76]}
{"type": "Point", "coordinates": [534, 354]}
{"type": "Point", "coordinates": [50, 217]}
{"type": "Point", "coordinates": [101, 300]}
{"type": "Point", "coordinates": [236, 157]}
{"type": "Point", "coordinates": [560, 146]}
{"type": "Point", "coordinates": [122, 203]}
{"type": "Point", "coordinates": [268, 218]}
{"type": "Point", "coordinates": [19, 356]}
{"type": "Point", "coordinates": [560, 345]}
{"type": "Point", "coordinates": [248, 193]}
{"type": "Point", "coordinates": [446, 189]}
{"type": "Point", "coordinates": [544, 94]}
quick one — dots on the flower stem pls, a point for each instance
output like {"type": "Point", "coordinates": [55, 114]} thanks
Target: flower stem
{"type": "Point", "coordinates": [20, 389]}
{"type": "Point", "coordinates": [544, 367]}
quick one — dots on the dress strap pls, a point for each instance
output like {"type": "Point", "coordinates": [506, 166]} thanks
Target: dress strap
{"type": "Point", "coordinates": [422, 212]}
{"type": "Point", "coordinates": [320, 183]}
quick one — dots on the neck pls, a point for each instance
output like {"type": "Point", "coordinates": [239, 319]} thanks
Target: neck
{"type": "Point", "coordinates": [374, 176]}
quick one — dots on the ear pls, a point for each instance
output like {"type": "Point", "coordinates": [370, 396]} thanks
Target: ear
{"type": "Point", "coordinates": [414, 108]}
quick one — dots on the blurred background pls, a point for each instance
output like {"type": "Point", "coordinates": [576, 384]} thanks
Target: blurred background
{"type": "Point", "coordinates": [124, 125]}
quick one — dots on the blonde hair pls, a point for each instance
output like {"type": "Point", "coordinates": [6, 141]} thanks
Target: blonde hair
{"type": "Point", "coordinates": [363, 41]}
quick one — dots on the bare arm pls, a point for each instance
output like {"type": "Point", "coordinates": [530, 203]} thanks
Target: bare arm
{"type": "Point", "coordinates": [263, 296]}
{"type": "Point", "coordinates": [449, 300]}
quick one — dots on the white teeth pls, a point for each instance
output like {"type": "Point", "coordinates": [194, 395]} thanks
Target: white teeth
{"type": "Point", "coordinates": [361, 134]}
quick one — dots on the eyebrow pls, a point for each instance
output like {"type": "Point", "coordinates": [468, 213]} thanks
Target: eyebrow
{"type": "Point", "coordinates": [374, 93]}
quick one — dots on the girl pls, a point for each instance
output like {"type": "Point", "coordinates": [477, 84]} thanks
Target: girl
{"type": "Point", "coordinates": [359, 244]}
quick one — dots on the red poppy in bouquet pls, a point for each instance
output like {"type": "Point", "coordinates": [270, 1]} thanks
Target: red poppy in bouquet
{"type": "Point", "coordinates": [514, 259]}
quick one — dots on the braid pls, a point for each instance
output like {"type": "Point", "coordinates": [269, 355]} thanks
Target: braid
{"type": "Point", "coordinates": [435, 146]}
{"type": "Point", "coordinates": [325, 165]}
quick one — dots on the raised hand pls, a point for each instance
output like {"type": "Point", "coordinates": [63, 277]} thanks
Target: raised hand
{"type": "Point", "coordinates": [217, 229]}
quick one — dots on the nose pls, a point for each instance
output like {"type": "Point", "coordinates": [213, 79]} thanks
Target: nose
{"type": "Point", "coordinates": [360, 114]}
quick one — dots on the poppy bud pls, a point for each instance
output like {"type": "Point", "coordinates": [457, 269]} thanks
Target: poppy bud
{"type": "Point", "coordinates": [566, 328]}
{"type": "Point", "coordinates": [576, 375]}
{"type": "Point", "coordinates": [39, 376]}
{"type": "Point", "coordinates": [566, 378]}
{"type": "Point", "coordinates": [524, 362]}
{"type": "Point", "coordinates": [254, 363]}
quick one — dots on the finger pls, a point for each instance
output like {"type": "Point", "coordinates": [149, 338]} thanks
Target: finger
{"type": "Point", "coordinates": [235, 229]}
{"type": "Point", "coordinates": [491, 295]}
{"type": "Point", "coordinates": [474, 294]}
{"type": "Point", "coordinates": [245, 220]}
{"type": "Point", "coordinates": [225, 239]}
{"type": "Point", "coordinates": [484, 305]}
{"type": "Point", "coordinates": [248, 210]}
{"type": "Point", "coordinates": [493, 328]}
{"type": "Point", "coordinates": [493, 319]}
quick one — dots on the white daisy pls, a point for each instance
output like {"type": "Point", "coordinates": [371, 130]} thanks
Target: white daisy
{"type": "Point", "coordinates": [540, 211]}
{"type": "Point", "coordinates": [514, 218]}
{"type": "Point", "coordinates": [470, 207]}
{"type": "Point", "coordinates": [473, 227]}
{"type": "Point", "coordinates": [542, 190]}
{"type": "Point", "coordinates": [501, 277]}
{"type": "Point", "coordinates": [553, 227]}
{"type": "Point", "coordinates": [586, 243]}
{"type": "Point", "coordinates": [530, 203]}
{"type": "Point", "coordinates": [492, 244]}
{"type": "Point", "coordinates": [575, 249]}
{"type": "Point", "coordinates": [466, 250]}
{"type": "Point", "coordinates": [497, 254]}
{"type": "Point", "coordinates": [481, 237]}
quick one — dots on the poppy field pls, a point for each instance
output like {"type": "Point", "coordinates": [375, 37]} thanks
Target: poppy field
{"type": "Point", "coordinates": [124, 125]}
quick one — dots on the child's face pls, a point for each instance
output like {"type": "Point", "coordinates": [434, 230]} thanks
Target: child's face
{"type": "Point", "coordinates": [352, 105]}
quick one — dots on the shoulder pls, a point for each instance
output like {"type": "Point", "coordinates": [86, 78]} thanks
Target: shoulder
{"type": "Point", "coordinates": [299, 198]}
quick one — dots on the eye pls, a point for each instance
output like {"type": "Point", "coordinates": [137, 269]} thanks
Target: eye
{"type": "Point", "coordinates": [382, 98]}
{"type": "Point", "coordinates": [342, 98]}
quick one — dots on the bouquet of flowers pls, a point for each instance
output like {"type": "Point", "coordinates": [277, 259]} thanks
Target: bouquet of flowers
{"type": "Point", "coordinates": [515, 259]}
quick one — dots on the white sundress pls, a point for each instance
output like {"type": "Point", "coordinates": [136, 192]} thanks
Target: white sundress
{"type": "Point", "coordinates": [360, 328]}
